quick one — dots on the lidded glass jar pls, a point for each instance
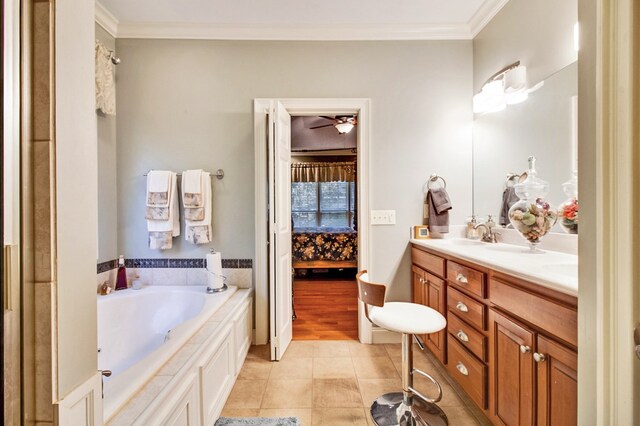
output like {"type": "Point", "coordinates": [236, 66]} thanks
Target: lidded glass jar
{"type": "Point", "coordinates": [532, 216]}
{"type": "Point", "coordinates": [568, 210]}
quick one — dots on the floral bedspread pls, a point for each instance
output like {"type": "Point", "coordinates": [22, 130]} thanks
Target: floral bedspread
{"type": "Point", "coordinates": [325, 244]}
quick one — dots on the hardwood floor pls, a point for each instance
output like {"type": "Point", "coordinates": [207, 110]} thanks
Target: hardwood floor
{"type": "Point", "coordinates": [325, 309]}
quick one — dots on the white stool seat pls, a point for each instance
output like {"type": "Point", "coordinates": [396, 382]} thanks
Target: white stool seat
{"type": "Point", "coordinates": [409, 318]}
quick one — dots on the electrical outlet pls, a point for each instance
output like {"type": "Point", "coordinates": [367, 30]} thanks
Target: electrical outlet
{"type": "Point", "coordinates": [383, 217]}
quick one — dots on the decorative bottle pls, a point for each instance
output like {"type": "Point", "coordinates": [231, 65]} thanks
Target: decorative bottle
{"type": "Point", "coordinates": [121, 279]}
{"type": "Point", "coordinates": [568, 211]}
{"type": "Point", "coordinates": [532, 216]}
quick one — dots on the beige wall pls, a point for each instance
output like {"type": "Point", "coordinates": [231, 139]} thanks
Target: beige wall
{"type": "Point", "coordinates": [538, 33]}
{"type": "Point", "coordinates": [188, 104]}
{"type": "Point", "coordinates": [76, 188]}
{"type": "Point", "coordinates": [107, 177]}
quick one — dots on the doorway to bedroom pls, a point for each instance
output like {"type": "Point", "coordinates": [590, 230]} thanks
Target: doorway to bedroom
{"type": "Point", "coordinates": [273, 266]}
{"type": "Point", "coordinates": [324, 223]}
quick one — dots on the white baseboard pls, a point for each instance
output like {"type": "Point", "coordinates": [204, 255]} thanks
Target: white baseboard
{"type": "Point", "coordinates": [380, 335]}
{"type": "Point", "coordinates": [83, 406]}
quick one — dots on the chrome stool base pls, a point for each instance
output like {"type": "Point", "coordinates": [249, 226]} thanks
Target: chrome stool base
{"type": "Point", "coordinates": [390, 410]}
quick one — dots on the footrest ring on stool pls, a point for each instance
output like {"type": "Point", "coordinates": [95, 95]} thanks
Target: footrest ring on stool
{"type": "Point", "coordinates": [434, 381]}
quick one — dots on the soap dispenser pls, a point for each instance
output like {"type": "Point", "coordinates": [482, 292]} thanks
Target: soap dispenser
{"type": "Point", "coordinates": [121, 279]}
{"type": "Point", "coordinates": [472, 233]}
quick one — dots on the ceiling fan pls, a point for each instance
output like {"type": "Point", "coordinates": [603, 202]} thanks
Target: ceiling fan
{"type": "Point", "coordinates": [343, 123]}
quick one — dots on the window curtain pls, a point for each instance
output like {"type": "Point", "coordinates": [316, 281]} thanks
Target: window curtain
{"type": "Point", "coordinates": [323, 172]}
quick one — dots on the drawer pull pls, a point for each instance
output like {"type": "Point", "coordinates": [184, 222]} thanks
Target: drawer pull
{"type": "Point", "coordinates": [462, 307]}
{"type": "Point", "coordinates": [525, 349]}
{"type": "Point", "coordinates": [462, 336]}
{"type": "Point", "coordinates": [538, 357]}
{"type": "Point", "coordinates": [462, 369]}
{"type": "Point", "coordinates": [462, 279]}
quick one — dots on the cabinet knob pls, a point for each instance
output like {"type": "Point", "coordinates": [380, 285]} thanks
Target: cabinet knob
{"type": "Point", "coordinates": [462, 307]}
{"type": "Point", "coordinates": [525, 349]}
{"type": "Point", "coordinates": [421, 280]}
{"type": "Point", "coordinates": [538, 357]}
{"type": "Point", "coordinates": [462, 336]}
{"type": "Point", "coordinates": [461, 279]}
{"type": "Point", "coordinates": [462, 369]}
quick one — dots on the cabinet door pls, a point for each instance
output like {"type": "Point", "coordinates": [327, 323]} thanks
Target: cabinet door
{"type": "Point", "coordinates": [511, 364]}
{"type": "Point", "coordinates": [186, 412]}
{"type": "Point", "coordinates": [417, 285]}
{"type": "Point", "coordinates": [557, 384]}
{"type": "Point", "coordinates": [434, 293]}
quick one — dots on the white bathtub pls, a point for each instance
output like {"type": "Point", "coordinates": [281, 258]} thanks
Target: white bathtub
{"type": "Point", "coordinates": [139, 330]}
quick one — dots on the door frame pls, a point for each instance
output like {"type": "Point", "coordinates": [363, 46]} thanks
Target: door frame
{"type": "Point", "coordinates": [298, 107]}
{"type": "Point", "coordinates": [609, 159]}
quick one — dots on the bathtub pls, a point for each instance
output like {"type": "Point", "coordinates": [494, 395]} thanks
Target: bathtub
{"type": "Point", "coordinates": [139, 330]}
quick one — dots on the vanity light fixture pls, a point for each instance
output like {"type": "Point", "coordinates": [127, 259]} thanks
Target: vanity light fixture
{"type": "Point", "coordinates": [506, 87]}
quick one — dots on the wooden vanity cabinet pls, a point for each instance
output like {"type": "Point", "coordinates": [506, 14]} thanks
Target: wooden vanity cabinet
{"type": "Point", "coordinates": [430, 290]}
{"type": "Point", "coordinates": [510, 344]}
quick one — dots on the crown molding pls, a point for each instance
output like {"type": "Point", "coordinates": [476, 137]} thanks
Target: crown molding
{"type": "Point", "coordinates": [353, 32]}
{"type": "Point", "coordinates": [282, 32]}
{"type": "Point", "coordinates": [484, 15]}
{"type": "Point", "coordinates": [106, 20]}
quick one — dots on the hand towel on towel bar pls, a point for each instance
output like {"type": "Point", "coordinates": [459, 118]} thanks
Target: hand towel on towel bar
{"type": "Point", "coordinates": [199, 231]}
{"type": "Point", "coordinates": [162, 231]}
{"type": "Point", "coordinates": [439, 206]}
{"type": "Point", "coordinates": [192, 188]}
{"type": "Point", "coordinates": [158, 183]}
{"type": "Point", "coordinates": [192, 194]}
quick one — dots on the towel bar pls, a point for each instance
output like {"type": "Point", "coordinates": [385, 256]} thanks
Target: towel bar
{"type": "Point", "coordinates": [219, 174]}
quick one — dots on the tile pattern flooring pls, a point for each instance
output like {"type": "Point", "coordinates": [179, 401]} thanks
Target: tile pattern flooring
{"type": "Point", "coordinates": [334, 383]}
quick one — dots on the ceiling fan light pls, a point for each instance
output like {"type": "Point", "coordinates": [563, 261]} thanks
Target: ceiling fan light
{"type": "Point", "coordinates": [343, 127]}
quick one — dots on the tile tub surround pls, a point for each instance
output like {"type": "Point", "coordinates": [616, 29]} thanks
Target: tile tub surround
{"type": "Point", "coordinates": [176, 271]}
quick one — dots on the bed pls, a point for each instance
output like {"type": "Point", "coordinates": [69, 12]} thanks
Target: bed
{"type": "Point", "coordinates": [325, 248]}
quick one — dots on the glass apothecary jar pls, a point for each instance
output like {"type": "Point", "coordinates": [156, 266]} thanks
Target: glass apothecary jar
{"type": "Point", "coordinates": [532, 216]}
{"type": "Point", "coordinates": [568, 210]}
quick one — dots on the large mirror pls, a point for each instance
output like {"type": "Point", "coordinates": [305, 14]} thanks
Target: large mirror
{"type": "Point", "coordinates": [543, 126]}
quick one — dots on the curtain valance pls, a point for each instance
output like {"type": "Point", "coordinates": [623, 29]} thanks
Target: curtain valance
{"type": "Point", "coordinates": [323, 172]}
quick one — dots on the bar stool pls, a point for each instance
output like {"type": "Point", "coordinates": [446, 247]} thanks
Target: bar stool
{"type": "Point", "coordinates": [410, 319]}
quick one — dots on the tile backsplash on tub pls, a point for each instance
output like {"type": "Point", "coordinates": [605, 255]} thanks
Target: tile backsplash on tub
{"type": "Point", "coordinates": [176, 271]}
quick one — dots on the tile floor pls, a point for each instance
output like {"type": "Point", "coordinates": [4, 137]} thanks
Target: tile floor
{"type": "Point", "coordinates": [333, 383]}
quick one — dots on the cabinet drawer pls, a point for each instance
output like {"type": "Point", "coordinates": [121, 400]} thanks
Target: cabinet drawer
{"type": "Point", "coordinates": [555, 318]}
{"type": "Point", "coordinates": [428, 261]}
{"type": "Point", "coordinates": [471, 339]}
{"type": "Point", "coordinates": [470, 373]}
{"type": "Point", "coordinates": [466, 308]}
{"type": "Point", "coordinates": [467, 278]}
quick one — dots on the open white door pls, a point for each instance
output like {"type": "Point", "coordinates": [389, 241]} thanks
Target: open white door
{"type": "Point", "coordinates": [280, 297]}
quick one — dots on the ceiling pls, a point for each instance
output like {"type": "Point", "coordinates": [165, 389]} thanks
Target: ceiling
{"type": "Point", "coordinates": [296, 19]}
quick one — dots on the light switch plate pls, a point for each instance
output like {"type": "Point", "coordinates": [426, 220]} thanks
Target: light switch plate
{"type": "Point", "coordinates": [383, 217]}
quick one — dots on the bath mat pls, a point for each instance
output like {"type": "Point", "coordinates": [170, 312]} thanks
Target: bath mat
{"type": "Point", "coordinates": [258, 421]}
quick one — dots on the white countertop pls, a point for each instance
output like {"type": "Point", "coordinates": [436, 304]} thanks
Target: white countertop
{"type": "Point", "coordinates": [551, 269]}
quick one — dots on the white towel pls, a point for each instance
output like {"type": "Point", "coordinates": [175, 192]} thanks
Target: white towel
{"type": "Point", "coordinates": [158, 188]}
{"type": "Point", "coordinates": [199, 231]}
{"type": "Point", "coordinates": [161, 232]}
{"type": "Point", "coordinates": [192, 188]}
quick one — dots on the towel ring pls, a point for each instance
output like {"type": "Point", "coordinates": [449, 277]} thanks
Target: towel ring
{"type": "Point", "coordinates": [434, 178]}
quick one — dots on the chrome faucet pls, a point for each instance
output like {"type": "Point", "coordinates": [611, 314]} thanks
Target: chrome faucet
{"type": "Point", "coordinates": [488, 236]}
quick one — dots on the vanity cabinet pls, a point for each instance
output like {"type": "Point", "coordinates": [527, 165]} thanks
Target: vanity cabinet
{"type": "Point", "coordinates": [429, 289]}
{"type": "Point", "coordinates": [510, 344]}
